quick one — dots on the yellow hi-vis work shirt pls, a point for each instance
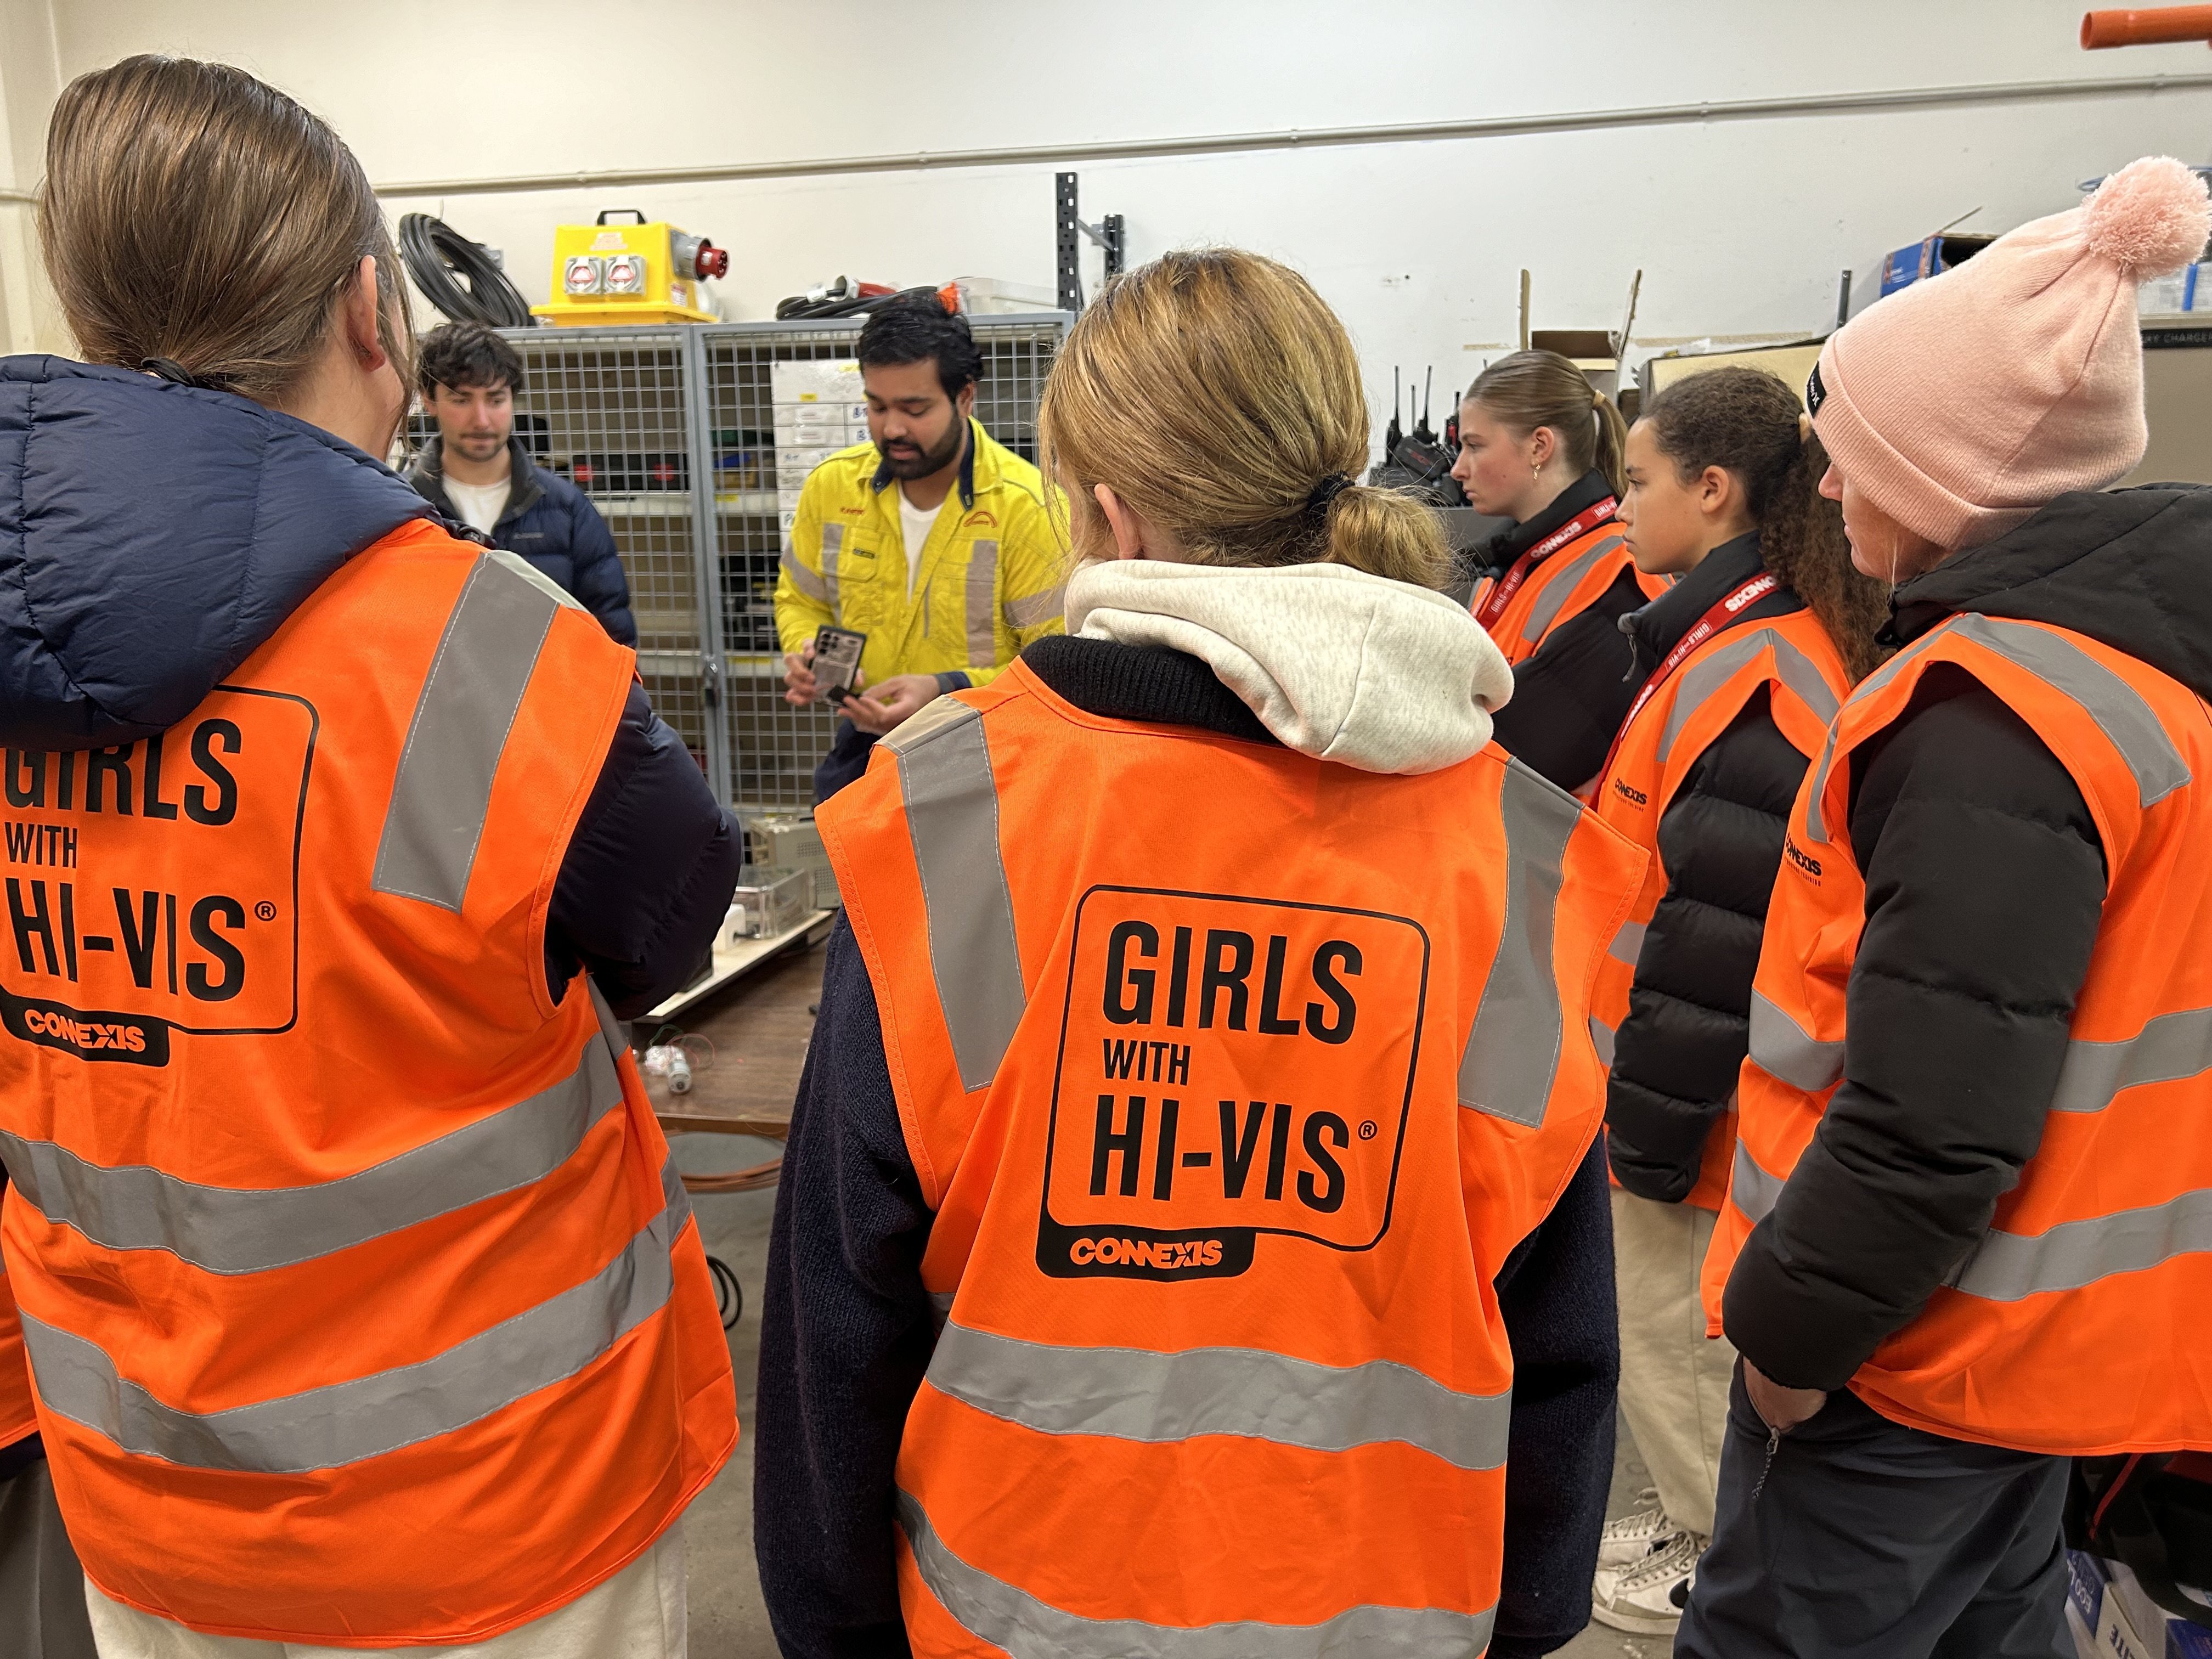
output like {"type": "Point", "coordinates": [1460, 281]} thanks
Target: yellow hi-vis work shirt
{"type": "Point", "coordinates": [990, 574]}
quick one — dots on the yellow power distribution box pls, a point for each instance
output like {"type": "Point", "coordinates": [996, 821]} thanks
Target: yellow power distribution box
{"type": "Point", "coordinates": [629, 273]}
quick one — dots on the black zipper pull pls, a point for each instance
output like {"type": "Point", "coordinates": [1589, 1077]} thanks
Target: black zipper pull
{"type": "Point", "coordinates": [1773, 1445]}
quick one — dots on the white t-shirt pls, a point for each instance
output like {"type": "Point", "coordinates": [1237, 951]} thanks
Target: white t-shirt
{"type": "Point", "coordinates": [914, 526]}
{"type": "Point", "coordinates": [480, 505]}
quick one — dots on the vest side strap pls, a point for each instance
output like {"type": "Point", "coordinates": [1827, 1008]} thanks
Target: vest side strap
{"type": "Point", "coordinates": [1513, 1049]}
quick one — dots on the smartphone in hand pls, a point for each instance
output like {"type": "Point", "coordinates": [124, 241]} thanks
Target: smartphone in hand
{"type": "Point", "coordinates": [837, 661]}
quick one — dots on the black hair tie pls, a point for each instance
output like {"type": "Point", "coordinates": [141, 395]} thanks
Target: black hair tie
{"type": "Point", "coordinates": [169, 369]}
{"type": "Point", "coordinates": [1325, 494]}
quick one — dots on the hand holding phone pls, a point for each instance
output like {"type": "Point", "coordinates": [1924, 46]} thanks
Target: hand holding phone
{"type": "Point", "coordinates": [837, 662]}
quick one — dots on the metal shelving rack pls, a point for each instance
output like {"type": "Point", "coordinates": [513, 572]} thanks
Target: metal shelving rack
{"type": "Point", "coordinates": [673, 429]}
{"type": "Point", "coordinates": [608, 397]}
{"type": "Point", "coordinates": [772, 747]}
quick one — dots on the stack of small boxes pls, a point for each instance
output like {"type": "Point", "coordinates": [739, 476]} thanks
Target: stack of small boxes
{"type": "Point", "coordinates": [819, 409]}
{"type": "Point", "coordinates": [788, 841]}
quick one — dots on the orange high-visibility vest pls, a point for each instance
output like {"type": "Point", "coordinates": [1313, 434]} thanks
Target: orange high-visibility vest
{"type": "Point", "coordinates": [1564, 583]}
{"type": "Point", "coordinates": [2076, 1326]}
{"type": "Point", "coordinates": [1232, 1077]}
{"type": "Point", "coordinates": [363, 1304]}
{"type": "Point", "coordinates": [19, 1417]}
{"type": "Point", "coordinates": [1794, 657]}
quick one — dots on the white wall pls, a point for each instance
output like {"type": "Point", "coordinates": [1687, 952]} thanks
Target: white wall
{"type": "Point", "coordinates": [1740, 226]}
{"type": "Point", "coordinates": [29, 78]}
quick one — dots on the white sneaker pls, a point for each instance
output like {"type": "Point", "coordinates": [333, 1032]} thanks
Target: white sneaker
{"type": "Point", "coordinates": [1635, 1535]}
{"type": "Point", "coordinates": [1647, 1598]}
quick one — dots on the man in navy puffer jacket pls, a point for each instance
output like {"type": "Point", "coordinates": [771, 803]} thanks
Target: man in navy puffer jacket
{"type": "Point", "coordinates": [475, 471]}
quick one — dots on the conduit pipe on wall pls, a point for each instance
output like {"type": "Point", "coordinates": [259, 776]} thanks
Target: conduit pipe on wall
{"type": "Point", "coordinates": [1499, 126]}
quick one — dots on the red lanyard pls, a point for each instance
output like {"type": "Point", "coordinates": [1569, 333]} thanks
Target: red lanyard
{"type": "Point", "coordinates": [1706, 627]}
{"type": "Point", "coordinates": [1502, 591]}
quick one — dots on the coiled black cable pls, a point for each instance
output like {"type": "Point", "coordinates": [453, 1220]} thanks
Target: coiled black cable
{"type": "Point", "coordinates": [434, 251]}
{"type": "Point", "coordinates": [729, 1295]}
{"type": "Point", "coordinates": [800, 305]}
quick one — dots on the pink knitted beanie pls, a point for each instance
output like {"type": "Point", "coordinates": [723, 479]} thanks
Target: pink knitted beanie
{"type": "Point", "coordinates": [1968, 401]}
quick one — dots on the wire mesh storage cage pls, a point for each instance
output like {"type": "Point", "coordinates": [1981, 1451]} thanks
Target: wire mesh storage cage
{"type": "Point", "coordinates": [672, 433]}
{"type": "Point", "coordinates": [773, 747]}
{"type": "Point", "coordinates": [614, 412]}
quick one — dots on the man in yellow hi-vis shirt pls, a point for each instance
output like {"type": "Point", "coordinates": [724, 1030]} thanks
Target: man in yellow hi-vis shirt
{"type": "Point", "coordinates": [949, 574]}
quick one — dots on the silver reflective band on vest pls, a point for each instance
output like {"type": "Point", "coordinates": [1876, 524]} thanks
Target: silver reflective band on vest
{"type": "Point", "coordinates": [952, 813]}
{"type": "Point", "coordinates": [833, 543]}
{"type": "Point", "coordinates": [240, 1230]}
{"type": "Point", "coordinates": [1706, 676]}
{"type": "Point", "coordinates": [805, 580]}
{"type": "Point", "coordinates": [1012, 1619]}
{"type": "Point", "coordinates": [1751, 1189]}
{"type": "Point", "coordinates": [344, 1422]}
{"type": "Point", "coordinates": [1513, 1048]}
{"type": "Point", "coordinates": [1546, 604]}
{"type": "Point", "coordinates": [2168, 1050]}
{"type": "Point", "coordinates": [2120, 711]}
{"type": "Point", "coordinates": [2117, 707]}
{"type": "Point", "coordinates": [462, 717]}
{"type": "Point", "coordinates": [1037, 610]}
{"type": "Point", "coordinates": [1137, 1394]}
{"type": "Point", "coordinates": [1783, 1049]}
{"type": "Point", "coordinates": [982, 603]}
{"type": "Point", "coordinates": [1601, 1039]}
{"type": "Point", "coordinates": [1628, 943]}
{"type": "Point", "coordinates": [2009, 1267]}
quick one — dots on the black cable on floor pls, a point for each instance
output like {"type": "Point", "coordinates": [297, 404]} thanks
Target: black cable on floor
{"type": "Point", "coordinates": [729, 1295]}
{"type": "Point", "coordinates": [434, 252]}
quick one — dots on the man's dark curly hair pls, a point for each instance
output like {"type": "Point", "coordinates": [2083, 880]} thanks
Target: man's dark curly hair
{"type": "Point", "coordinates": [466, 356]}
{"type": "Point", "coordinates": [915, 329]}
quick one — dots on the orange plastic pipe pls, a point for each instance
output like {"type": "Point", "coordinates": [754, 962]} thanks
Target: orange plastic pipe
{"type": "Point", "coordinates": [2162, 27]}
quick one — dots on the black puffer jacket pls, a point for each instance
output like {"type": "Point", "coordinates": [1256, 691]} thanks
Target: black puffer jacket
{"type": "Point", "coordinates": [1581, 646]}
{"type": "Point", "coordinates": [1985, 887]}
{"type": "Point", "coordinates": [1676, 1056]}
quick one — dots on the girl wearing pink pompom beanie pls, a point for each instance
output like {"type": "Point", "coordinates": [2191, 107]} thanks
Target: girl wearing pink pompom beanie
{"type": "Point", "coordinates": [1969, 1232]}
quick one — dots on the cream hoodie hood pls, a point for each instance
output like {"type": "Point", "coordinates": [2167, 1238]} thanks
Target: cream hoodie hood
{"type": "Point", "coordinates": [1338, 663]}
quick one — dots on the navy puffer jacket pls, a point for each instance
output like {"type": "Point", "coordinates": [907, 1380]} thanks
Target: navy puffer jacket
{"type": "Point", "coordinates": [154, 535]}
{"type": "Point", "coordinates": [553, 524]}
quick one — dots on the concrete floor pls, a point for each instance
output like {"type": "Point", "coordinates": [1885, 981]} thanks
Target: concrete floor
{"type": "Point", "coordinates": [758, 1028]}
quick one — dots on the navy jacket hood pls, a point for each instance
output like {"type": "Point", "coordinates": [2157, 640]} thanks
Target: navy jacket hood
{"type": "Point", "coordinates": [2129, 568]}
{"type": "Point", "coordinates": [152, 536]}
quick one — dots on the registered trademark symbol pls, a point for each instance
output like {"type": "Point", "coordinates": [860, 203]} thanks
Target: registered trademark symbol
{"type": "Point", "coordinates": [1368, 1130]}
{"type": "Point", "coordinates": [266, 911]}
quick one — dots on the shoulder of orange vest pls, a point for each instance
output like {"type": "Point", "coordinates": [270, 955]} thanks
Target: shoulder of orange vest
{"type": "Point", "coordinates": [2119, 726]}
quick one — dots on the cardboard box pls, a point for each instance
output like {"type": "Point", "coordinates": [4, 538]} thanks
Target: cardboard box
{"type": "Point", "coordinates": [1930, 257]}
{"type": "Point", "coordinates": [2105, 1597]}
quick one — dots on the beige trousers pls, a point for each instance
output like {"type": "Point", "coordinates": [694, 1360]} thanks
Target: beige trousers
{"type": "Point", "coordinates": [639, 1613]}
{"type": "Point", "coordinates": [1673, 1379]}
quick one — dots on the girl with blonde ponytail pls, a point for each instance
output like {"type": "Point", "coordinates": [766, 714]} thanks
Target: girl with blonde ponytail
{"type": "Point", "coordinates": [1541, 446]}
{"type": "Point", "coordinates": [1264, 741]}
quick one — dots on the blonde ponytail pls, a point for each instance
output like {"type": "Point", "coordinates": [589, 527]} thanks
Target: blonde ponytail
{"type": "Point", "coordinates": [1216, 394]}
{"type": "Point", "coordinates": [1388, 534]}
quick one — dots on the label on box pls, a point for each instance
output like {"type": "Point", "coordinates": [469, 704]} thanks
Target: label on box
{"type": "Point", "coordinates": [2085, 1586]}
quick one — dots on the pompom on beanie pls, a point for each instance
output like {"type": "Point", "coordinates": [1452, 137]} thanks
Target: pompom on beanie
{"type": "Point", "coordinates": [1968, 401]}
